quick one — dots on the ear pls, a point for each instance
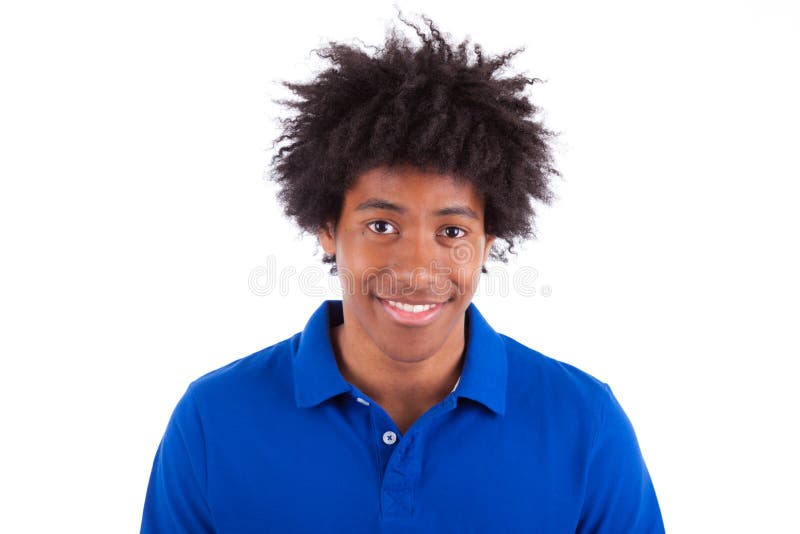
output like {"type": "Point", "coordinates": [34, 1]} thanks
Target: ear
{"type": "Point", "coordinates": [327, 238]}
{"type": "Point", "coordinates": [489, 240]}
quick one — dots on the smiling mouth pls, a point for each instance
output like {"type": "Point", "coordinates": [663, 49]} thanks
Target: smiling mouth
{"type": "Point", "coordinates": [412, 308]}
{"type": "Point", "coordinates": [412, 314]}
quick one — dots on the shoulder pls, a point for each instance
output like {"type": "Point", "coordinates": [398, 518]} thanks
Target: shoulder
{"type": "Point", "coordinates": [531, 368]}
{"type": "Point", "coordinates": [267, 370]}
{"type": "Point", "coordinates": [542, 384]}
{"type": "Point", "coordinates": [576, 410]}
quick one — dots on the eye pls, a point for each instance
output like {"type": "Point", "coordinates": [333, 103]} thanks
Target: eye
{"type": "Point", "coordinates": [382, 227]}
{"type": "Point", "coordinates": [453, 232]}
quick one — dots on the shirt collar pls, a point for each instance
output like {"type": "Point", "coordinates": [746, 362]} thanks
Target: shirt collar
{"type": "Point", "coordinates": [485, 373]}
{"type": "Point", "coordinates": [317, 377]}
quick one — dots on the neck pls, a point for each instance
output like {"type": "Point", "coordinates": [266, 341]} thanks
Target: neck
{"type": "Point", "coordinates": [405, 389]}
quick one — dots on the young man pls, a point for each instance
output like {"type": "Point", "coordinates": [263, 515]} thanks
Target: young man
{"type": "Point", "coordinates": [399, 409]}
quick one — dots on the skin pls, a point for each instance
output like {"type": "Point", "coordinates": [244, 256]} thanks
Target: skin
{"type": "Point", "coordinates": [417, 237]}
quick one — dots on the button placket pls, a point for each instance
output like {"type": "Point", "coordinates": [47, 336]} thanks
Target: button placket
{"type": "Point", "coordinates": [385, 437]}
{"type": "Point", "coordinates": [402, 472]}
{"type": "Point", "coordinates": [399, 480]}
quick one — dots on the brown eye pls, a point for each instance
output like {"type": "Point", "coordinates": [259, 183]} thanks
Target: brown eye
{"type": "Point", "coordinates": [382, 227]}
{"type": "Point", "coordinates": [453, 232]}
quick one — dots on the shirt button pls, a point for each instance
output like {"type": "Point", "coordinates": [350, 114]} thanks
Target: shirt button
{"type": "Point", "coordinates": [389, 437]}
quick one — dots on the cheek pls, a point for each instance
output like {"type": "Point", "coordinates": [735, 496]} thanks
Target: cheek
{"type": "Point", "coordinates": [467, 255]}
{"type": "Point", "coordinates": [463, 279]}
{"type": "Point", "coordinates": [472, 268]}
{"type": "Point", "coordinates": [357, 267]}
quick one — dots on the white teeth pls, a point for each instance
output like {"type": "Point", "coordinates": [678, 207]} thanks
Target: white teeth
{"type": "Point", "coordinates": [413, 308]}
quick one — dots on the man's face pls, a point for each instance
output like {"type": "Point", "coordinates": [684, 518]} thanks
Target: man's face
{"type": "Point", "coordinates": [409, 247]}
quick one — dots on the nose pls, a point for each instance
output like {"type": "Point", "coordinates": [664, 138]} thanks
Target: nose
{"type": "Point", "coordinates": [417, 261]}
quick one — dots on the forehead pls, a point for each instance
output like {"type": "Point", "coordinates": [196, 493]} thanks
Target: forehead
{"type": "Point", "coordinates": [412, 187]}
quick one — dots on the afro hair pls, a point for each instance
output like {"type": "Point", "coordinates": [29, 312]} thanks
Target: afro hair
{"type": "Point", "coordinates": [437, 106]}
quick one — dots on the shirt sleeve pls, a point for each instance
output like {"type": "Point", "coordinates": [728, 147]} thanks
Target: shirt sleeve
{"type": "Point", "coordinates": [619, 496]}
{"type": "Point", "coordinates": [176, 494]}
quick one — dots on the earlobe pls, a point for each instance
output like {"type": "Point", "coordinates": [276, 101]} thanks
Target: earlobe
{"type": "Point", "coordinates": [489, 241]}
{"type": "Point", "coordinates": [327, 238]}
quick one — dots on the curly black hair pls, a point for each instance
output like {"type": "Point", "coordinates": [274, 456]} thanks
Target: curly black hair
{"type": "Point", "coordinates": [437, 106]}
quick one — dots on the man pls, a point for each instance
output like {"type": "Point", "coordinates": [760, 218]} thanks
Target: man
{"type": "Point", "coordinates": [399, 409]}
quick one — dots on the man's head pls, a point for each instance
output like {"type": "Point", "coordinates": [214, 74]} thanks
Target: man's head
{"type": "Point", "coordinates": [439, 107]}
{"type": "Point", "coordinates": [410, 164]}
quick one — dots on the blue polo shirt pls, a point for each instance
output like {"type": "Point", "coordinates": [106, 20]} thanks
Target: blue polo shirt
{"type": "Point", "coordinates": [280, 442]}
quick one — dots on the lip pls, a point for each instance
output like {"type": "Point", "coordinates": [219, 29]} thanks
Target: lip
{"type": "Point", "coordinates": [410, 318]}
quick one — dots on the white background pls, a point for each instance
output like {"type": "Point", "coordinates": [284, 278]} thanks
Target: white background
{"type": "Point", "coordinates": [133, 210]}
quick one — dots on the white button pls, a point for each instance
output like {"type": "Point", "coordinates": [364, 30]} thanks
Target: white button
{"type": "Point", "coordinates": [362, 401]}
{"type": "Point", "coordinates": [389, 437]}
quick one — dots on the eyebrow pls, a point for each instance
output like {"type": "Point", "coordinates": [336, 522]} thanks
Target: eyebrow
{"type": "Point", "coordinates": [379, 204]}
{"type": "Point", "coordinates": [465, 211]}
{"type": "Point", "coordinates": [382, 204]}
